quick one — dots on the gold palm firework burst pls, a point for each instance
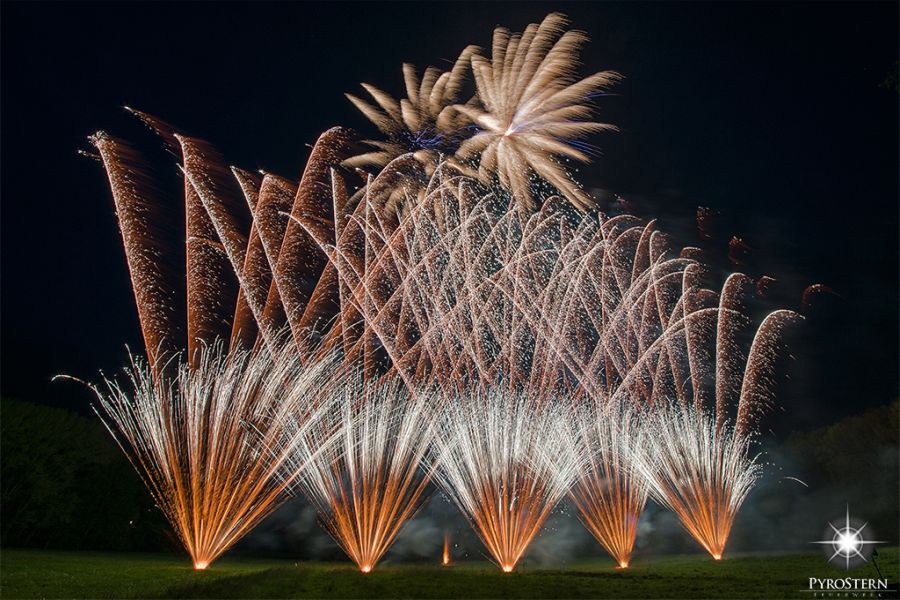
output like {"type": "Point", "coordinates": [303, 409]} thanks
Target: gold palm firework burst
{"type": "Point", "coordinates": [425, 123]}
{"type": "Point", "coordinates": [530, 112]}
{"type": "Point", "coordinates": [534, 110]}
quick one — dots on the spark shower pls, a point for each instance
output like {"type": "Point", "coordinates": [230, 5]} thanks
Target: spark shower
{"type": "Point", "coordinates": [441, 306]}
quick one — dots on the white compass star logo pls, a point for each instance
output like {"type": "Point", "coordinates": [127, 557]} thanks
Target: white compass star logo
{"type": "Point", "coordinates": [848, 543]}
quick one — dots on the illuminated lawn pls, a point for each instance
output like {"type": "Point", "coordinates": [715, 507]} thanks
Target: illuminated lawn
{"type": "Point", "coordinates": [34, 574]}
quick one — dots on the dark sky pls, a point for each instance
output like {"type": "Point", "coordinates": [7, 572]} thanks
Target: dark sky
{"type": "Point", "coordinates": [773, 113]}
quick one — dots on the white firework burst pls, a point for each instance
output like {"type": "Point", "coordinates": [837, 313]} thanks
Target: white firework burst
{"type": "Point", "coordinates": [534, 110]}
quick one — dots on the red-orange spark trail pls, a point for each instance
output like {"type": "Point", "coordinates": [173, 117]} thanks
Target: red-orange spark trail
{"type": "Point", "coordinates": [138, 210]}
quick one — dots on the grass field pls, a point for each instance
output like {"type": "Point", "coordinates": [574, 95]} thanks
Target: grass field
{"type": "Point", "coordinates": [35, 574]}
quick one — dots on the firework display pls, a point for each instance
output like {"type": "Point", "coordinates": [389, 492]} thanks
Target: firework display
{"type": "Point", "coordinates": [460, 313]}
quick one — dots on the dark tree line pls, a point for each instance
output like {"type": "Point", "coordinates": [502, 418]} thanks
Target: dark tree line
{"type": "Point", "coordinates": [65, 484]}
{"type": "Point", "coordinates": [813, 477]}
{"type": "Point", "coordinates": [855, 462]}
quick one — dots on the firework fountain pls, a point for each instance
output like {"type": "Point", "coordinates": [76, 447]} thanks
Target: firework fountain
{"type": "Point", "coordinates": [610, 493]}
{"type": "Point", "coordinates": [199, 438]}
{"type": "Point", "coordinates": [505, 461]}
{"type": "Point", "coordinates": [700, 471]}
{"type": "Point", "coordinates": [373, 480]}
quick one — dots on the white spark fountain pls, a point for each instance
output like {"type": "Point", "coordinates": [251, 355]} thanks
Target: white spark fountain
{"type": "Point", "coordinates": [506, 460]}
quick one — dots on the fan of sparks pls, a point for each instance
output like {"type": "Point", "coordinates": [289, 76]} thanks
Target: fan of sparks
{"type": "Point", "coordinates": [506, 460]}
{"type": "Point", "coordinates": [369, 483]}
{"type": "Point", "coordinates": [199, 439]}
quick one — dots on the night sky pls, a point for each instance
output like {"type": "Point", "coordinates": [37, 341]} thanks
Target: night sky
{"type": "Point", "coordinates": [773, 113]}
